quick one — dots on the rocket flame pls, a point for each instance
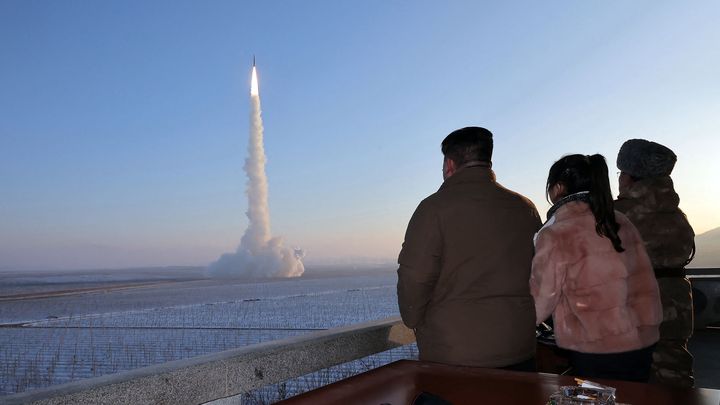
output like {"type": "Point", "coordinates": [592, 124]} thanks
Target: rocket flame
{"type": "Point", "coordinates": [254, 91]}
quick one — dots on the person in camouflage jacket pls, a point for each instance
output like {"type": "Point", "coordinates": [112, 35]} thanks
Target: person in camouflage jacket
{"type": "Point", "coordinates": [648, 198]}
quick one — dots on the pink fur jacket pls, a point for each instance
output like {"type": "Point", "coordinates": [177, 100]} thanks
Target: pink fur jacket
{"type": "Point", "coordinates": [601, 300]}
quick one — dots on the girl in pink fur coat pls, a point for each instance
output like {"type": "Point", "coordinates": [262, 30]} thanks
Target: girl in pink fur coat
{"type": "Point", "coordinates": [592, 274]}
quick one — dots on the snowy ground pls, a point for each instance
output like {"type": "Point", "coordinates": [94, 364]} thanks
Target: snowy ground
{"type": "Point", "coordinates": [56, 328]}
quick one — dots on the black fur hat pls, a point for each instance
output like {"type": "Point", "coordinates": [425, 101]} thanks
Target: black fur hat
{"type": "Point", "coordinates": [642, 159]}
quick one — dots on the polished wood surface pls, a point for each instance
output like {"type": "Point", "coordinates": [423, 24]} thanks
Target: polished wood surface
{"type": "Point", "coordinates": [400, 382]}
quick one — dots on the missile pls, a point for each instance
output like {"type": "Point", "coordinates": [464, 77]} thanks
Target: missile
{"type": "Point", "coordinates": [253, 60]}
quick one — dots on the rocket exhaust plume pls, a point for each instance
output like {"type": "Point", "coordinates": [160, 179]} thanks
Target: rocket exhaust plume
{"type": "Point", "coordinates": [259, 254]}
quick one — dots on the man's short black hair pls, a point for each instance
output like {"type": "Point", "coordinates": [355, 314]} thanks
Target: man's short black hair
{"type": "Point", "coordinates": [468, 144]}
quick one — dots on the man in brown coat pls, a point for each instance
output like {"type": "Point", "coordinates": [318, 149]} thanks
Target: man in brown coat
{"type": "Point", "coordinates": [465, 264]}
{"type": "Point", "coordinates": [648, 198]}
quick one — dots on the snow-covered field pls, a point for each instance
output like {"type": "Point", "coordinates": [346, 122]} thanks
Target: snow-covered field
{"type": "Point", "coordinates": [56, 328]}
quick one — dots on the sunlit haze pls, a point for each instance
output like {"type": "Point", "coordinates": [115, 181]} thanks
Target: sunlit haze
{"type": "Point", "coordinates": [124, 126]}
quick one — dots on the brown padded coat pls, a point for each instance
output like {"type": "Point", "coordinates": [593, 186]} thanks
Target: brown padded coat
{"type": "Point", "coordinates": [464, 270]}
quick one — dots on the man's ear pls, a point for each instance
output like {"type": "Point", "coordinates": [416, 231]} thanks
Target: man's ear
{"type": "Point", "coordinates": [625, 181]}
{"type": "Point", "coordinates": [450, 168]}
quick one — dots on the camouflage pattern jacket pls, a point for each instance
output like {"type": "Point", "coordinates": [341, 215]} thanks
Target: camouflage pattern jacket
{"type": "Point", "coordinates": [652, 206]}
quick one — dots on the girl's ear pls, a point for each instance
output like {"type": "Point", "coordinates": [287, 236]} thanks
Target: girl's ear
{"type": "Point", "coordinates": [557, 191]}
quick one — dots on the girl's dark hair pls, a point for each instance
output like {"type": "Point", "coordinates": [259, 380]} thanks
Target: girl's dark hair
{"type": "Point", "coordinates": [589, 173]}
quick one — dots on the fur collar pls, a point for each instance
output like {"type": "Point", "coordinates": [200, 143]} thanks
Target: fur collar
{"type": "Point", "coordinates": [581, 196]}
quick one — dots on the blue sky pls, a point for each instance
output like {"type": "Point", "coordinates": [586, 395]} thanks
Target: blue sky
{"type": "Point", "coordinates": [124, 124]}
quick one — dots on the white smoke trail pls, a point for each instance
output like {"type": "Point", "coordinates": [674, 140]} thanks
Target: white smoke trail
{"type": "Point", "coordinates": [259, 254]}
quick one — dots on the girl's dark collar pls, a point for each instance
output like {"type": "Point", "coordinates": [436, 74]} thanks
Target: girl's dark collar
{"type": "Point", "coordinates": [581, 196]}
